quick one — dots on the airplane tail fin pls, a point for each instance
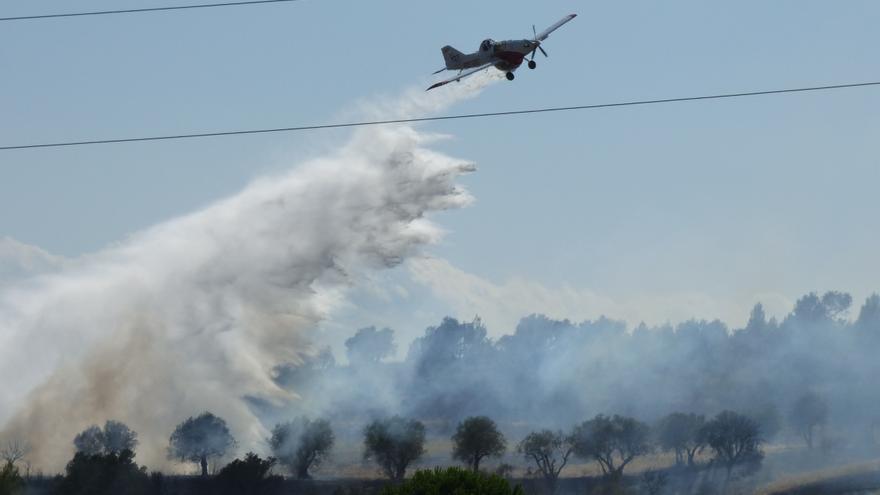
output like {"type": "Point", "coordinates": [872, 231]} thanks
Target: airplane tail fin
{"type": "Point", "coordinates": [452, 57]}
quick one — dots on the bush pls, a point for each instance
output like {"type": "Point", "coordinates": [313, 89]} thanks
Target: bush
{"type": "Point", "coordinates": [100, 474]}
{"type": "Point", "coordinates": [453, 481]}
{"type": "Point", "coordinates": [248, 477]}
{"type": "Point", "coordinates": [10, 481]}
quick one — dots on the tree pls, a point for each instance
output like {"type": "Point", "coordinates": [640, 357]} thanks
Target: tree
{"type": "Point", "coordinates": [869, 316]}
{"type": "Point", "coordinates": [452, 352]}
{"type": "Point", "coordinates": [118, 437]}
{"type": "Point", "coordinates": [549, 450]}
{"type": "Point", "coordinates": [199, 439]}
{"type": "Point", "coordinates": [248, 476]}
{"type": "Point", "coordinates": [476, 438]}
{"type": "Point", "coordinates": [302, 444]}
{"type": "Point", "coordinates": [836, 303]}
{"type": "Point", "coordinates": [14, 450]}
{"type": "Point", "coordinates": [613, 442]}
{"type": "Point", "coordinates": [90, 441]}
{"type": "Point", "coordinates": [757, 319]}
{"type": "Point", "coordinates": [453, 480]}
{"type": "Point", "coordinates": [114, 438]}
{"type": "Point", "coordinates": [394, 443]}
{"type": "Point", "coordinates": [769, 420]}
{"type": "Point", "coordinates": [450, 346]}
{"type": "Point", "coordinates": [370, 346]}
{"type": "Point", "coordinates": [104, 474]}
{"type": "Point", "coordinates": [808, 412]}
{"type": "Point", "coordinates": [10, 480]}
{"type": "Point", "coordinates": [735, 439]}
{"type": "Point", "coordinates": [682, 434]}
{"type": "Point", "coordinates": [813, 310]}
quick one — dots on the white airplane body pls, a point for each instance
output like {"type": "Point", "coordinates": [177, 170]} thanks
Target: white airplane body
{"type": "Point", "coordinates": [505, 56]}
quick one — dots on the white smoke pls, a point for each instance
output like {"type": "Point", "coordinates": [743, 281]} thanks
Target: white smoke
{"type": "Point", "coordinates": [19, 261]}
{"type": "Point", "coordinates": [194, 314]}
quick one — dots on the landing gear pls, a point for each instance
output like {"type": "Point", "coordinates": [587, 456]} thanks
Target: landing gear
{"type": "Point", "coordinates": [532, 64]}
{"type": "Point", "coordinates": [510, 76]}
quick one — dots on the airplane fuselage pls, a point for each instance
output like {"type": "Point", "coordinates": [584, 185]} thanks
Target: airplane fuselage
{"type": "Point", "coordinates": [511, 53]}
{"type": "Point", "coordinates": [505, 55]}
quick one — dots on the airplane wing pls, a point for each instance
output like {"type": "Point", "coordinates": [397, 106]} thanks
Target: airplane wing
{"type": "Point", "coordinates": [459, 77]}
{"type": "Point", "coordinates": [543, 35]}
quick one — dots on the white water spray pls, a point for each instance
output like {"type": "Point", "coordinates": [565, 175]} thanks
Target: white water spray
{"type": "Point", "coordinates": [195, 314]}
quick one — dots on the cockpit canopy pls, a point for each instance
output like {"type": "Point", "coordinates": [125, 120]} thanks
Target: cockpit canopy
{"type": "Point", "coordinates": [487, 45]}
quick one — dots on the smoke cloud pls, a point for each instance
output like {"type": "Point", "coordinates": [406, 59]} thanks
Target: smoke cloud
{"type": "Point", "coordinates": [197, 313]}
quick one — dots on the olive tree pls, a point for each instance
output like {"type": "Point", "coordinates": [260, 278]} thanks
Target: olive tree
{"type": "Point", "coordinates": [612, 441]}
{"type": "Point", "coordinates": [201, 438]}
{"type": "Point", "coordinates": [394, 443]}
{"type": "Point", "coordinates": [302, 444]}
{"type": "Point", "coordinates": [683, 434]}
{"type": "Point", "coordinates": [808, 412]}
{"type": "Point", "coordinates": [735, 439]}
{"type": "Point", "coordinates": [549, 450]}
{"type": "Point", "coordinates": [476, 438]}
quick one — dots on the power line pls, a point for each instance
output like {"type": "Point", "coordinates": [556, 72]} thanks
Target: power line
{"type": "Point", "coordinates": [141, 10]}
{"type": "Point", "coordinates": [444, 117]}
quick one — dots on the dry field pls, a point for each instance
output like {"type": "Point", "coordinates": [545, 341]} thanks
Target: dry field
{"type": "Point", "coordinates": [863, 477]}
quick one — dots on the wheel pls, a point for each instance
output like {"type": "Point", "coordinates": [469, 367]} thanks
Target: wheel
{"type": "Point", "coordinates": [510, 76]}
{"type": "Point", "coordinates": [532, 64]}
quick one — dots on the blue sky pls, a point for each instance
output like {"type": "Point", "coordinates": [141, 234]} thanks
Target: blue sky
{"type": "Point", "coordinates": [694, 208]}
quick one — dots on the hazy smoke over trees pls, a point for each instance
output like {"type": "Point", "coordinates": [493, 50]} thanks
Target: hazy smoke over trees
{"type": "Point", "coordinates": [555, 374]}
{"type": "Point", "coordinates": [118, 437]}
{"type": "Point", "coordinates": [114, 438]}
{"type": "Point", "coordinates": [302, 445]}
{"type": "Point", "coordinates": [370, 346]}
{"type": "Point", "coordinates": [200, 439]}
{"type": "Point", "coordinates": [196, 313]}
{"type": "Point", "coordinates": [394, 443]}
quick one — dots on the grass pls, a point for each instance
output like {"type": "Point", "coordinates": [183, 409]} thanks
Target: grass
{"type": "Point", "coordinates": [859, 476]}
{"type": "Point", "coordinates": [785, 476]}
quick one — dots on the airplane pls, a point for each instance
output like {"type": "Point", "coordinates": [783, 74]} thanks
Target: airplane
{"type": "Point", "coordinates": [506, 56]}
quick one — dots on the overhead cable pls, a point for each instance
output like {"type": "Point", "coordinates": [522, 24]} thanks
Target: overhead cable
{"type": "Point", "coordinates": [140, 10]}
{"type": "Point", "coordinates": [438, 118]}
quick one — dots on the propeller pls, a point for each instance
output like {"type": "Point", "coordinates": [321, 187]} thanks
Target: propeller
{"type": "Point", "coordinates": [538, 47]}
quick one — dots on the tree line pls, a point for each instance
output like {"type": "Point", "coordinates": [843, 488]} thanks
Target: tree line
{"type": "Point", "coordinates": [104, 458]}
{"type": "Point", "coordinates": [555, 372]}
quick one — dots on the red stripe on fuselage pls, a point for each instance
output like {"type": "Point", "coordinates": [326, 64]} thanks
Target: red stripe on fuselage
{"type": "Point", "coordinates": [515, 59]}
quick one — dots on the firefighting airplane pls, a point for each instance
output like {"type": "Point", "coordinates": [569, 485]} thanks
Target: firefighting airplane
{"type": "Point", "coordinates": [506, 56]}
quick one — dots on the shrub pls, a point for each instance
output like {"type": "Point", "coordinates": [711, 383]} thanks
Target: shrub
{"type": "Point", "coordinates": [453, 481]}
{"type": "Point", "coordinates": [10, 481]}
{"type": "Point", "coordinates": [100, 474]}
{"type": "Point", "coordinates": [248, 476]}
